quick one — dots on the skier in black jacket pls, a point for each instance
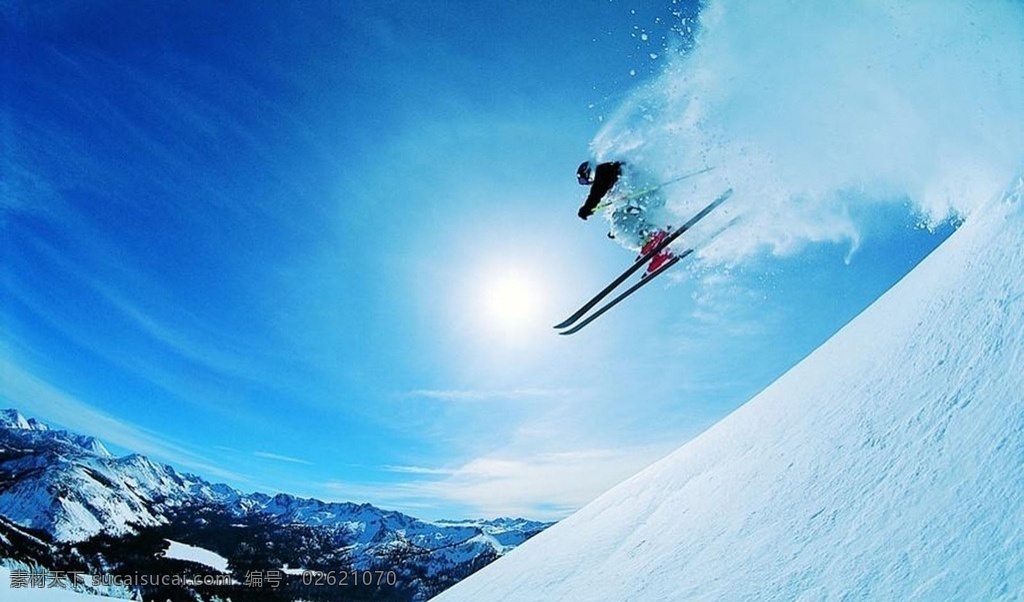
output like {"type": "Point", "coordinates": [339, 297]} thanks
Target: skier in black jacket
{"type": "Point", "coordinates": [600, 180]}
{"type": "Point", "coordinates": [629, 214]}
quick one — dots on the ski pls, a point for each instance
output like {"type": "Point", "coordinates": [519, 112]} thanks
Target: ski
{"type": "Point", "coordinates": [642, 261]}
{"type": "Point", "coordinates": [629, 291]}
{"type": "Point", "coordinates": [644, 280]}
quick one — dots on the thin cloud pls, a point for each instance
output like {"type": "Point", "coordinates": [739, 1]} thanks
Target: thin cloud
{"type": "Point", "coordinates": [279, 457]}
{"type": "Point", "coordinates": [543, 486]}
{"type": "Point", "coordinates": [172, 329]}
{"type": "Point", "coordinates": [418, 470]}
{"type": "Point", "coordinates": [35, 396]}
{"type": "Point", "coordinates": [491, 394]}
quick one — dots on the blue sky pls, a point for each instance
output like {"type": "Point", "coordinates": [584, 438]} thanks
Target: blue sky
{"type": "Point", "coordinates": [263, 244]}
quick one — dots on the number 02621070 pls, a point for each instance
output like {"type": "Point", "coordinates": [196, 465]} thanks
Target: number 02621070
{"type": "Point", "coordinates": [349, 578]}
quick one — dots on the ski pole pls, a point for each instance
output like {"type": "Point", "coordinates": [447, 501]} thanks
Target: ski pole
{"type": "Point", "coordinates": [646, 191]}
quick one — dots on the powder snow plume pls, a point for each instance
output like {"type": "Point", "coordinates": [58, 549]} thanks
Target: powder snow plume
{"type": "Point", "coordinates": [814, 112]}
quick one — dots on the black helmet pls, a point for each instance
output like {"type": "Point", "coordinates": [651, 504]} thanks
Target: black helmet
{"type": "Point", "coordinates": [584, 174]}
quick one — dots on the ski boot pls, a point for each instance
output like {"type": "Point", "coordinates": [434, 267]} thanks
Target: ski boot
{"type": "Point", "coordinates": [658, 260]}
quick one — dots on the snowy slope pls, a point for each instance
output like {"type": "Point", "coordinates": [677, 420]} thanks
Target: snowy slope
{"type": "Point", "coordinates": [888, 465]}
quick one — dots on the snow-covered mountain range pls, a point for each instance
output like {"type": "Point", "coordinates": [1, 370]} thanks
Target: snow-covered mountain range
{"type": "Point", "coordinates": [66, 490]}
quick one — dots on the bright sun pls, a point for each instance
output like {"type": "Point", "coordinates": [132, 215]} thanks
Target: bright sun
{"type": "Point", "coordinates": [511, 301]}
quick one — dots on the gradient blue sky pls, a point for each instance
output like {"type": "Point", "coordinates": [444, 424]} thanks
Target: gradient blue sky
{"type": "Point", "coordinates": [259, 242]}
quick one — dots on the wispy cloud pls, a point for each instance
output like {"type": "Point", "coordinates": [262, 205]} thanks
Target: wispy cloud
{"type": "Point", "coordinates": [546, 486]}
{"type": "Point", "coordinates": [281, 458]}
{"type": "Point", "coordinates": [418, 470]}
{"type": "Point", "coordinates": [62, 175]}
{"type": "Point", "coordinates": [174, 329]}
{"type": "Point", "coordinates": [35, 396]}
{"type": "Point", "coordinates": [490, 394]}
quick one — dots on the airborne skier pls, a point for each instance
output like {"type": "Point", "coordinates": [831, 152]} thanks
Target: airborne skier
{"type": "Point", "coordinates": [632, 214]}
{"type": "Point", "coordinates": [601, 180]}
{"type": "Point", "coordinates": [629, 214]}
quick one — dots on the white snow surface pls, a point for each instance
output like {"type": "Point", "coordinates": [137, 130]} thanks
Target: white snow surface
{"type": "Point", "coordinates": [183, 551]}
{"type": "Point", "coordinates": [888, 465]}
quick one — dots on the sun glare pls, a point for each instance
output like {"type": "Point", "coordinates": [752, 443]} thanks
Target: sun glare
{"type": "Point", "coordinates": [511, 301]}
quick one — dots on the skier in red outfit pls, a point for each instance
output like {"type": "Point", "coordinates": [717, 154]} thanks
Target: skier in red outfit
{"type": "Point", "coordinates": [629, 213]}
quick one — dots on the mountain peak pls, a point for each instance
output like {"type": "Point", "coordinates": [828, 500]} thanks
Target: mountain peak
{"type": "Point", "coordinates": [13, 419]}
